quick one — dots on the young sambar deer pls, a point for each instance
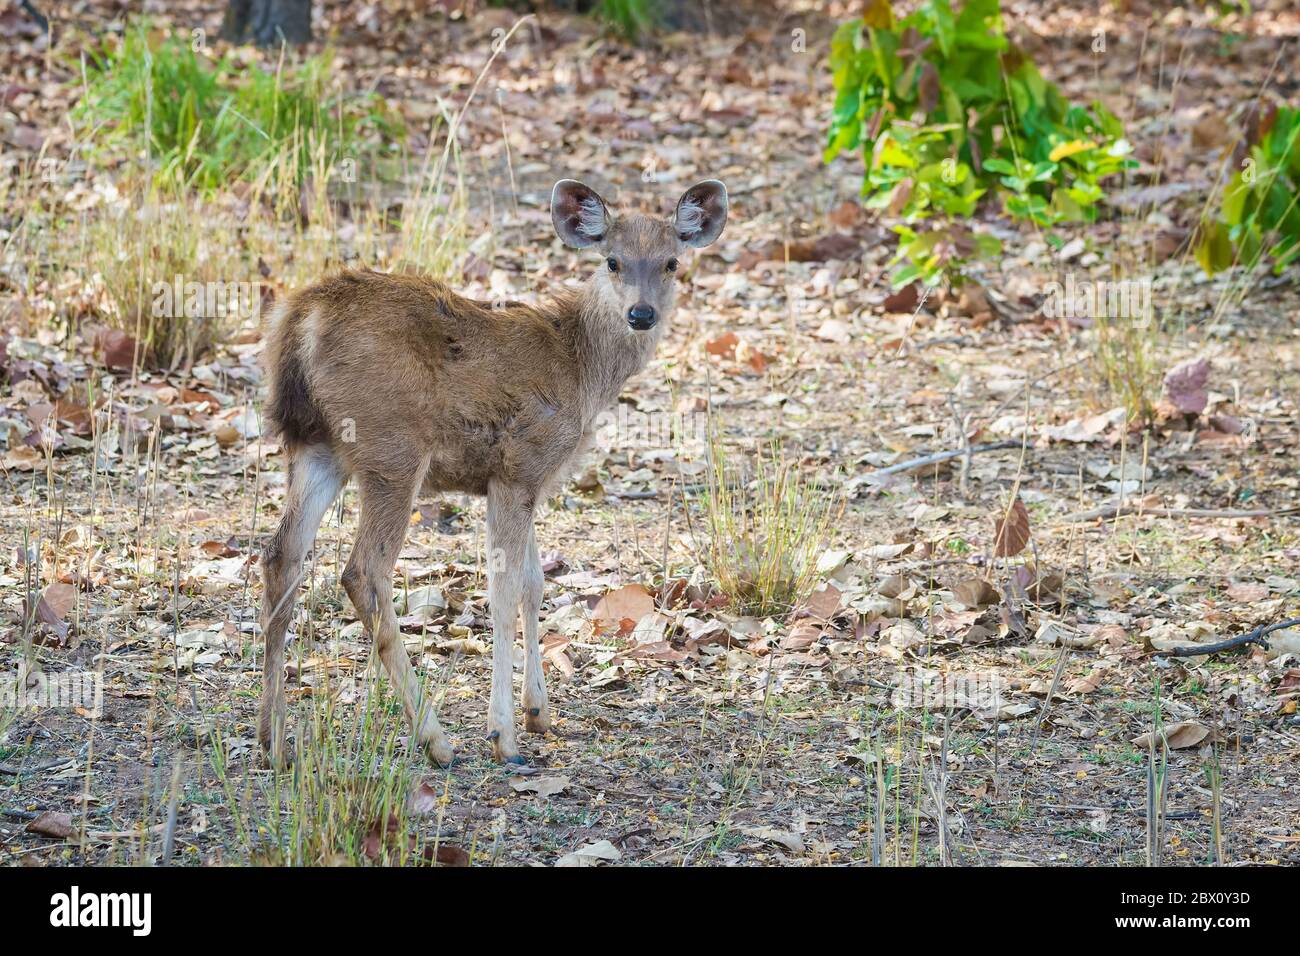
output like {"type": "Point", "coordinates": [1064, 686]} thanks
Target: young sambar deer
{"type": "Point", "coordinates": [399, 381]}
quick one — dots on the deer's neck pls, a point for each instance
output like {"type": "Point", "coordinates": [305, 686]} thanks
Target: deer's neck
{"type": "Point", "coordinates": [608, 352]}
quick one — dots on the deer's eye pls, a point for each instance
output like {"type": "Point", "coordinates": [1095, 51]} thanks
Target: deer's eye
{"type": "Point", "coordinates": [612, 263]}
{"type": "Point", "coordinates": [671, 266]}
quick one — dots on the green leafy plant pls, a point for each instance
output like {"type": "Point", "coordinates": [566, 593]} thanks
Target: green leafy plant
{"type": "Point", "coordinates": [946, 110]}
{"type": "Point", "coordinates": [932, 255]}
{"type": "Point", "coordinates": [208, 121]}
{"type": "Point", "coordinates": [1258, 217]}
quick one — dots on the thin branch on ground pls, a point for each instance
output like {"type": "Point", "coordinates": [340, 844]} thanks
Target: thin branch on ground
{"type": "Point", "coordinates": [942, 456]}
{"type": "Point", "coordinates": [1115, 509]}
{"type": "Point", "coordinates": [1257, 636]}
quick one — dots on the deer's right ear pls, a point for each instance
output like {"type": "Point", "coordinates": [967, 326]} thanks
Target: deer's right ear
{"type": "Point", "coordinates": [580, 216]}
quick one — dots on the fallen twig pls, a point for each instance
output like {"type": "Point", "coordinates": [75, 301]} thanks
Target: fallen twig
{"type": "Point", "coordinates": [1257, 636]}
{"type": "Point", "coordinates": [99, 836]}
{"type": "Point", "coordinates": [23, 771]}
{"type": "Point", "coordinates": [41, 20]}
{"type": "Point", "coordinates": [1114, 509]}
{"type": "Point", "coordinates": [942, 456]}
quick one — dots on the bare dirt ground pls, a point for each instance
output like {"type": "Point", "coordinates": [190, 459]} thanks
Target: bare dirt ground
{"type": "Point", "coordinates": [700, 736]}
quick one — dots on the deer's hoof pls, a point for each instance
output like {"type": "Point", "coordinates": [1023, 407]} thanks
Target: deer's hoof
{"type": "Point", "coordinates": [517, 760]}
{"type": "Point", "coordinates": [537, 720]}
{"type": "Point", "coordinates": [504, 751]}
{"type": "Point", "coordinates": [277, 758]}
{"type": "Point", "coordinates": [440, 752]}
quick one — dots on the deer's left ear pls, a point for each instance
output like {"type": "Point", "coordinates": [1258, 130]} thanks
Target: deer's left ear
{"type": "Point", "coordinates": [701, 213]}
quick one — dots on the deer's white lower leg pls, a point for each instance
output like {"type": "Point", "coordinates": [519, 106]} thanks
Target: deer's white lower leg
{"type": "Point", "coordinates": [315, 480]}
{"type": "Point", "coordinates": [537, 711]}
{"type": "Point", "coordinates": [509, 521]}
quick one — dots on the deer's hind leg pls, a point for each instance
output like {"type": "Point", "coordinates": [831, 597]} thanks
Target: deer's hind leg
{"type": "Point", "coordinates": [315, 477]}
{"type": "Point", "coordinates": [368, 578]}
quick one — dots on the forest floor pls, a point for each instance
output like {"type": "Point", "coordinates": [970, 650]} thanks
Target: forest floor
{"type": "Point", "coordinates": [684, 733]}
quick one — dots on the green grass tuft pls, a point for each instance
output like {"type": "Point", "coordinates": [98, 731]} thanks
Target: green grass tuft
{"type": "Point", "coordinates": [209, 121]}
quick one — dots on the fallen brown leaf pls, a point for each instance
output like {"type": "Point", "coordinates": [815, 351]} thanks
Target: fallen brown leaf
{"type": "Point", "coordinates": [1012, 530]}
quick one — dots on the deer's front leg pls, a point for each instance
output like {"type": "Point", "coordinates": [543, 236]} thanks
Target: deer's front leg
{"type": "Point", "coordinates": [509, 524]}
{"type": "Point", "coordinates": [537, 711]}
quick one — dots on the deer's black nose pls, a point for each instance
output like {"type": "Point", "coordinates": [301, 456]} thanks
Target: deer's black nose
{"type": "Point", "coordinates": [641, 317]}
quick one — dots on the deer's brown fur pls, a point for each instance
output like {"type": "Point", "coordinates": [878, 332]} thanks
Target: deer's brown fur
{"type": "Point", "coordinates": [402, 383]}
{"type": "Point", "coordinates": [409, 367]}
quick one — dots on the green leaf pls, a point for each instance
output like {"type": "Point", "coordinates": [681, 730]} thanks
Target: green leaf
{"type": "Point", "coordinates": [878, 15]}
{"type": "Point", "coordinates": [1063, 150]}
{"type": "Point", "coordinates": [1214, 251]}
{"type": "Point", "coordinates": [1234, 201]}
{"type": "Point", "coordinates": [890, 152]}
{"type": "Point", "coordinates": [904, 275]}
{"type": "Point", "coordinates": [1284, 257]}
{"type": "Point", "coordinates": [1008, 129]}
{"type": "Point", "coordinates": [844, 139]}
{"type": "Point", "coordinates": [945, 26]}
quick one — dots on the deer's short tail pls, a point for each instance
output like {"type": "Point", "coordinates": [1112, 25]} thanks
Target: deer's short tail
{"type": "Point", "coordinates": [291, 409]}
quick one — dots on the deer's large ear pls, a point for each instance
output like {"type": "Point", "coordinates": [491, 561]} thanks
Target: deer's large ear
{"type": "Point", "coordinates": [701, 213]}
{"type": "Point", "coordinates": [580, 216]}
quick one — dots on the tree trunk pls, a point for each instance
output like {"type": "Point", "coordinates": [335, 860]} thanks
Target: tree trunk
{"type": "Point", "coordinates": [267, 22]}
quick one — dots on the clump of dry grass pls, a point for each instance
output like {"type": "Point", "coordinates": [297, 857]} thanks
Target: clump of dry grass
{"type": "Point", "coordinates": [22, 204]}
{"type": "Point", "coordinates": [298, 220]}
{"type": "Point", "coordinates": [435, 233]}
{"type": "Point", "coordinates": [434, 230]}
{"type": "Point", "coordinates": [1125, 352]}
{"type": "Point", "coordinates": [766, 523]}
{"type": "Point", "coordinates": [159, 240]}
{"type": "Point", "coordinates": [7, 715]}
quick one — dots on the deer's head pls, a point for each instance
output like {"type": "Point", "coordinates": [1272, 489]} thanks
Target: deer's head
{"type": "Point", "coordinates": [638, 277]}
